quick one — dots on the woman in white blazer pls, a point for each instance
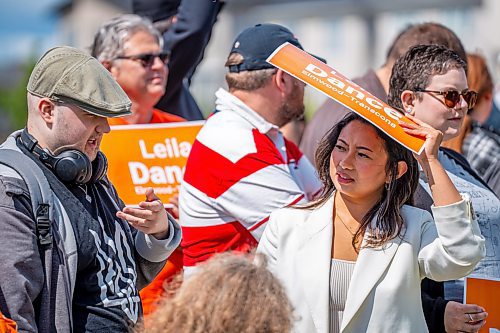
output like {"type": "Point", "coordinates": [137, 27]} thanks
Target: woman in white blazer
{"type": "Point", "coordinates": [352, 261]}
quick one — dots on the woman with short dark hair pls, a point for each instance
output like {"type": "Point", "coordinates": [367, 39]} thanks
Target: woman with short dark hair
{"type": "Point", "coordinates": [430, 83]}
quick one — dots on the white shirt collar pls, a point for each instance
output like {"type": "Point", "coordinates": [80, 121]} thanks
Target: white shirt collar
{"type": "Point", "coordinates": [228, 102]}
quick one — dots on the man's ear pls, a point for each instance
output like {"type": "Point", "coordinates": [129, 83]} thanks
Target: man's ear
{"type": "Point", "coordinates": [284, 81]}
{"type": "Point", "coordinates": [46, 109]}
{"type": "Point", "coordinates": [107, 64]}
{"type": "Point", "coordinates": [112, 68]}
{"type": "Point", "coordinates": [408, 101]}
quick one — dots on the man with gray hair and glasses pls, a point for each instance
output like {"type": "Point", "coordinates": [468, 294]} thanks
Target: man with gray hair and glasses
{"type": "Point", "coordinates": [131, 48]}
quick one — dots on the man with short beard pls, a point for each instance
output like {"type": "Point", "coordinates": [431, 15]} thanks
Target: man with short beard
{"type": "Point", "coordinates": [241, 168]}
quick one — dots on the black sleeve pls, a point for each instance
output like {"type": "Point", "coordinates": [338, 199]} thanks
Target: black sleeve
{"type": "Point", "coordinates": [147, 271]}
{"type": "Point", "coordinates": [433, 305]}
{"type": "Point", "coordinates": [187, 40]}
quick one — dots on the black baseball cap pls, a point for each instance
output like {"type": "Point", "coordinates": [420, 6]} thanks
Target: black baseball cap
{"type": "Point", "coordinates": [257, 43]}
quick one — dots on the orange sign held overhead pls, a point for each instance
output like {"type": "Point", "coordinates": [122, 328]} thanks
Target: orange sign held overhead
{"type": "Point", "coordinates": [314, 72]}
{"type": "Point", "coordinates": [486, 293]}
{"type": "Point", "coordinates": [152, 155]}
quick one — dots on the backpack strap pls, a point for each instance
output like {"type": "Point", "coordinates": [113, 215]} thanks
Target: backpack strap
{"type": "Point", "coordinates": [49, 243]}
{"type": "Point", "coordinates": [39, 189]}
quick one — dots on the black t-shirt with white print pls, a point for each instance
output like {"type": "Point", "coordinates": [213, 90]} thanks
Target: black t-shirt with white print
{"type": "Point", "coordinates": [105, 297]}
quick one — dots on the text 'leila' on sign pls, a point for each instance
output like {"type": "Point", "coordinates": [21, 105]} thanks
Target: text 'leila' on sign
{"type": "Point", "coordinates": [151, 155]}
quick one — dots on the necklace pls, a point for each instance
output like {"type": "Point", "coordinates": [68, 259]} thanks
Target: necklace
{"type": "Point", "coordinates": [84, 188]}
{"type": "Point", "coordinates": [345, 225]}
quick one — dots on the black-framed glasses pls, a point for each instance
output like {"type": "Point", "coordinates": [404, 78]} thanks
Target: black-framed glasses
{"type": "Point", "coordinates": [148, 59]}
{"type": "Point", "coordinates": [452, 97]}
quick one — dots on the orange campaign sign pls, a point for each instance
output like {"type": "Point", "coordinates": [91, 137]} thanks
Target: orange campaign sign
{"type": "Point", "coordinates": [486, 293]}
{"type": "Point", "coordinates": [314, 72]}
{"type": "Point", "coordinates": [149, 155]}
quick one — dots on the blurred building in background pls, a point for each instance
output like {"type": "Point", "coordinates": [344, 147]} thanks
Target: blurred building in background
{"type": "Point", "coordinates": [352, 35]}
{"type": "Point", "coordinates": [80, 19]}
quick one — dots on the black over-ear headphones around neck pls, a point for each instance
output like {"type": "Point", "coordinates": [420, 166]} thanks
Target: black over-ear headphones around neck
{"type": "Point", "coordinates": [71, 166]}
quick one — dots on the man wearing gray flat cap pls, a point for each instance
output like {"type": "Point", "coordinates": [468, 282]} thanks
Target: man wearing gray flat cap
{"type": "Point", "coordinates": [74, 263]}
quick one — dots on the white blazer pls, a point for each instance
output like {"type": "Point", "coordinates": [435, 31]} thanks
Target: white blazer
{"type": "Point", "coordinates": [384, 292]}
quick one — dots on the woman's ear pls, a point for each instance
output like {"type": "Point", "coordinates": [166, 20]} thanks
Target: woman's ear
{"type": "Point", "coordinates": [488, 95]}
{"type": "Point", "coordinates": [408, 101]}
{"type": "Point", "coordinates": [402, 168]}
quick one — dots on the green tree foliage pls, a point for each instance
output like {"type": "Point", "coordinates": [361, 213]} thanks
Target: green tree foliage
{"type": "Point", "coordinates": [13, 100]}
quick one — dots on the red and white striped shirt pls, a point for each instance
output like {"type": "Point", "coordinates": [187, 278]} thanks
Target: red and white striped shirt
{"type": "Point", "coordinates": [240, 169]}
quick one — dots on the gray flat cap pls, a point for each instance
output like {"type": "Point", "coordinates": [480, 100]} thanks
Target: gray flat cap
{"type": "Point", "coordinates": [70, 75]}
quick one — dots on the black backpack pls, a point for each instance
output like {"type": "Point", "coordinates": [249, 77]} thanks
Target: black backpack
{"type": "Point", "coordinates": [41, 196]}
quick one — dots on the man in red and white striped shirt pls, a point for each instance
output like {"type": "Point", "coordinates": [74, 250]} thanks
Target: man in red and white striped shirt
{"type": "Point", "coordinates": [241, 168]}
